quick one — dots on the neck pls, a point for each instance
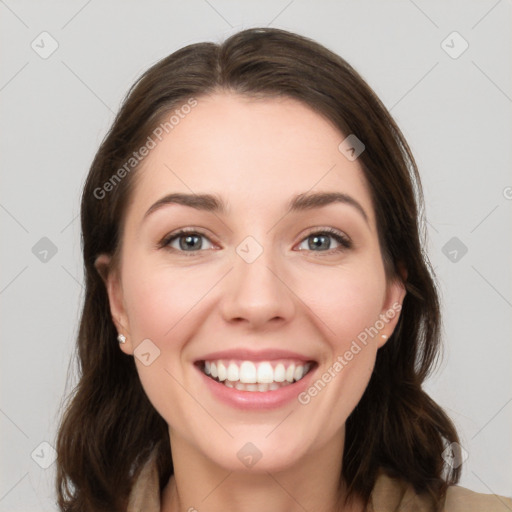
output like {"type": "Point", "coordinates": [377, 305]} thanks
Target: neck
{"type": "Point", "coordinates": [312, 483]}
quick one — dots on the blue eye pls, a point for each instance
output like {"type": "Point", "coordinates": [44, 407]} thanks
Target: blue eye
{"type": "Point", "coordinates": [190, 241]}
{"type": "Point", "coordinates": [322, 240]}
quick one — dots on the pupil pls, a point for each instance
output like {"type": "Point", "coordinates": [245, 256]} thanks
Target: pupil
{"type": "Point", "coordinates": [319, 243]}
{"type": "Point", "coordinates": [191, 242]}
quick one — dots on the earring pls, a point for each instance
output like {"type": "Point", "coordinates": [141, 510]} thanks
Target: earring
{"type": "Point", "coordinates": [384, 336]}
{"type": "Point", "coordinates": [121, 338]}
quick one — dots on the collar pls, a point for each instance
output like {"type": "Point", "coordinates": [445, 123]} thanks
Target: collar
{"type": "Point", "coordinates": [388, 495]}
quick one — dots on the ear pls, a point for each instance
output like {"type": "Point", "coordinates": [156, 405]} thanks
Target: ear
{"type": "Point", "coordinates": [114, 288]}
{"type": "Point", "coordinates": [390, 313]}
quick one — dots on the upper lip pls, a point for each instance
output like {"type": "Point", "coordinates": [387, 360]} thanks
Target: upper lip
{"type": "Point", "coordinates": [253, 355]}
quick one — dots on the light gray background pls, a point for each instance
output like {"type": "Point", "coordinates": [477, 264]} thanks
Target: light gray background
{"type": "Point", "coordinates": [454, 112]}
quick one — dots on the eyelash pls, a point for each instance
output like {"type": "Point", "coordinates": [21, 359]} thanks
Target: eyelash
{"type": "Point", "coordinates": [344, 241]}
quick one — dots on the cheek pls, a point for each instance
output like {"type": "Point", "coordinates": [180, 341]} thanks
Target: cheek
{"type": "Point", "coordinates": [160, 303]}
{"type": "Point", "coordinates": [346, 299]}
{"type": "Point", "coordinates": [348, 303]}
{"type": "Point", "coordinates": [158, 297]}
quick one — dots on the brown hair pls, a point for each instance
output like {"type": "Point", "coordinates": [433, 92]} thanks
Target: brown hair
{"type": "Point", "coordinates": [109, 427]}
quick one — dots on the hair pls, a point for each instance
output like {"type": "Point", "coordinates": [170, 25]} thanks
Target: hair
{"type": "Point", "coordinates": [109, 427]}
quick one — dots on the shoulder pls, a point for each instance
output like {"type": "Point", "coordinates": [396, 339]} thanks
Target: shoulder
{"type": "Point", "coordinates": [395, 495]}
{"type": "Point", "coordinates": [460, 499]}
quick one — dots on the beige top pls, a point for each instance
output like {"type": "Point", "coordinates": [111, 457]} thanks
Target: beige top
{"type": "Point", "coordinates": [388, 495]}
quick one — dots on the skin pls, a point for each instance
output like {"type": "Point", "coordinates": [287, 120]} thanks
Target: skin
{"type": "Point", "coordinates": [256, 155]}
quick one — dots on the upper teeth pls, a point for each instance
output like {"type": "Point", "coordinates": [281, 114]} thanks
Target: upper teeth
{"type": "Point", "coordinates": [251, 373]}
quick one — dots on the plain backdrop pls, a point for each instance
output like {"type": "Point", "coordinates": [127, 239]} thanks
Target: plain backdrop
{"type": "Point", "coordinates": [65, 67]}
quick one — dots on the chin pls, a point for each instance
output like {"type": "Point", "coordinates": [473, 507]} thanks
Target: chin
{"type": "Point", "coordinates": [257, 454]}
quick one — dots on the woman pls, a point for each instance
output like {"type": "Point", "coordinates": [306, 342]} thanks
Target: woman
{"type": "Point", "coordinates": [259, 315]}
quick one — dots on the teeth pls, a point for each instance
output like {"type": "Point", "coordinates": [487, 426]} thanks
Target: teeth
{"type": "Point", "coordinates": [265, 373]}
{"type": "Point", "coordinates": [233, 373]}
{"type": "Point", "coordinates": [221, 371]}
{"type": "Point", "coordinates": [299, 371]}
{"type": "Point", "coordinates": [290, 372]}
{"type": "Point", "coordinates": [248, 372]}
{"type": "Point", "coordinates": [261, 376]}
{"type": "Point", "coordinates": [255, 387]}
{"type": "Point", "coordinates": [279, 373]}
{"type": "Point", "coordinates": [246, 387]}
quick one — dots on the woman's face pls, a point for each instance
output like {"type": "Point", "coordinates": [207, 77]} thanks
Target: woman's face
{"type": "Point", "coordinates": [258, 289]}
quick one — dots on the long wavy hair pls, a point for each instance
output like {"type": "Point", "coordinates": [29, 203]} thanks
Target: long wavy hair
{"type": "Point", "coordinates": [109, 428]}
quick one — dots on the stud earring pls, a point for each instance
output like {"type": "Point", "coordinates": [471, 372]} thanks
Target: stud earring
{"type": "Point", "coordinates": [384, 336]}
{"type": "Point", "coordinates": [121, 338]}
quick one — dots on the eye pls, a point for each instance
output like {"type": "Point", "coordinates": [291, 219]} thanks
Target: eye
{"type": "Point", "coordinates": [192, 241]}
{"type": "Point", "coordinates": [321, 241]}
{"type": "Point", "coordinates": [186, 241]}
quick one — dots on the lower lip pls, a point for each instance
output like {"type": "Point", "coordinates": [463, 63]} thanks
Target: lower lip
{"type": "Point", "coordinates": [256, 399]}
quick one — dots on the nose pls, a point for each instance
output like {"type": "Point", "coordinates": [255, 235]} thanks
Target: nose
{"type": "Point", "coordinates": [257, 294]}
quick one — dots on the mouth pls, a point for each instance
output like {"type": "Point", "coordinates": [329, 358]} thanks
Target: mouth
{"type": "Point", "coordinates": [256, 376]}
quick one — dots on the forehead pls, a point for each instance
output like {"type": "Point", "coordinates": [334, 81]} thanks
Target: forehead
{"type": "Point", "coordinates": [254, 153]}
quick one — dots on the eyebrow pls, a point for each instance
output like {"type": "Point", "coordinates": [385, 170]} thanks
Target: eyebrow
{"type": "Point", "coordinates": [215, 204]}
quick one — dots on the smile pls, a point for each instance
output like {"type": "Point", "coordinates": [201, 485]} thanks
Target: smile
{"type": "Point", "coordinates": [256, 376]}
